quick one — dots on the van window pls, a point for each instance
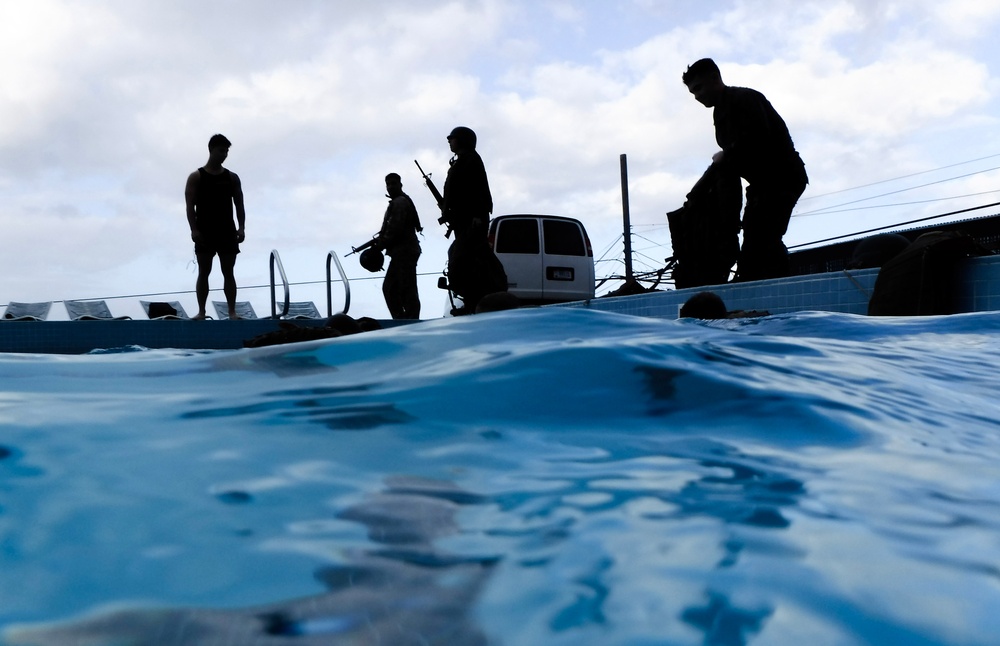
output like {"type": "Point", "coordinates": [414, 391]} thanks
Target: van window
{"type": "Point", "coordinates": [517, 236]}
{"type": "Point", "coordinates": [563, 238]}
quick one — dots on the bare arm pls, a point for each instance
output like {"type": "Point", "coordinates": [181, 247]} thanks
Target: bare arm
{"type": "Point", "coordinates": [190, 195]}
{"type": "Point", "coordinates": [241, 214]}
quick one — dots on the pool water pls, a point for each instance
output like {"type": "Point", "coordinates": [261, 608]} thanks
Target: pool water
{"type": "Point", "coordinates": [546, 476]}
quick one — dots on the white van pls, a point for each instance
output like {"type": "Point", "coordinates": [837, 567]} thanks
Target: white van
{"type": "Point", "coordinates": [548, 258]}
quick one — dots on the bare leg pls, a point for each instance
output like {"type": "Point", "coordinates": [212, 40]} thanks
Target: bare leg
{"type": "Point", "coordinates": [201, 285]}
{"type": "Point", "coordinates": [227, 263]}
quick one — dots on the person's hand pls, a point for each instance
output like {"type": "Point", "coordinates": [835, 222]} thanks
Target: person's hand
{"type": "Point", "coordinates": [240, 235]}
{"type": "Point", "coordinates": [195, 235]}
{"type": "Point", "coordinates": [717, 157]}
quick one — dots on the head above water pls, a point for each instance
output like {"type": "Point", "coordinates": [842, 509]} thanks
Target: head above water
{"type": "Point", "coordinates": [704, 305]}
{"type": "Point", "coordinates": [704, 80]}
{"type": "Point", "coordinates": [462, 138]}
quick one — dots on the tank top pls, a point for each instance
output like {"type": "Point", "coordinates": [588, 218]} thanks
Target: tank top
{"type": "Point", "coordinates": [214, 202]}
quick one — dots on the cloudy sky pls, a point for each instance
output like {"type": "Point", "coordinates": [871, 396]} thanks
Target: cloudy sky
{"type": "Point", "coordinates": [107, 105]}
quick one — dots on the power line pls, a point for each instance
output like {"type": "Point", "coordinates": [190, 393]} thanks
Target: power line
{"type": "Point", "coordinates": [242, 288]}
{"type": "Point", "coordinates": [895, 204]}
{"type": "Point", "coordinates": [610, 246]}
{"type": "Point", "coordinates": [892, 226]}
{"type": "Point", "coordinates": [902, 190]}
{"type": "Point", "coordinates": [895, 179]}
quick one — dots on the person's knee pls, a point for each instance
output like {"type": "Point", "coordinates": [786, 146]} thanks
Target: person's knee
{"type": "Point", "coordinates": [205, 265]}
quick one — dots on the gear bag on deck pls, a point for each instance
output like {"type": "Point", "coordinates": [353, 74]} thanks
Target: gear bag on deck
{"type": "Point", "coordinates": [704, 233]}
{"type": "Point", "coordinates": [921, 279]}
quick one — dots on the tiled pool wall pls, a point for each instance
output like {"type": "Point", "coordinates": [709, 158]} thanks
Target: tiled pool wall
{"type": "Point", "coordinates": [844, 291]}
{"type": "Point", "coordinates": [980, 284]}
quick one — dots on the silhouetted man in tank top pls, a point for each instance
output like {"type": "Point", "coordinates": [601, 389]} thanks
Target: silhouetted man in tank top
{"type": "Point", "coordinates": [211, 193]}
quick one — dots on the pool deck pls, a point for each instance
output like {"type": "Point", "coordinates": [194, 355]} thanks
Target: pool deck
{"type": "Point", "coordinates": [844, 291]}
{"type": "Point", "coordinates": [80, 337]}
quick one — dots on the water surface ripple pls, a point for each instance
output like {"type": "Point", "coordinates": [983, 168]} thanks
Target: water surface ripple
{"type": "Point", "coordinates": [546, 476]}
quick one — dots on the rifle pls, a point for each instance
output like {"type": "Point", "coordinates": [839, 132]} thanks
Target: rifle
{"type": "Point", "coordinates": [437, 197]}
{"type": "Point", "coordinates": [371, 243]}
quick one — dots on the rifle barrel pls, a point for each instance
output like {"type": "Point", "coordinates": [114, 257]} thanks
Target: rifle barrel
{"type": "Point", "coordinates": [366, 245]}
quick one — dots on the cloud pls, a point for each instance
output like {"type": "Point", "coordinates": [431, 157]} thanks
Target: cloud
{"type": "Point", "coordinates": [964, 19]}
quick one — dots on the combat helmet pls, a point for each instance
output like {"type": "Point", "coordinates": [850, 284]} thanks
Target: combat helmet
{"type": "Point", "coordinates": [372, 260]}
{"type": "Point", "coordinates": [465, 136]}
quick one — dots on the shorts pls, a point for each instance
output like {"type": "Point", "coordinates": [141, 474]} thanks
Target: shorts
{"type": "Point", "coordinates": [222, 245]}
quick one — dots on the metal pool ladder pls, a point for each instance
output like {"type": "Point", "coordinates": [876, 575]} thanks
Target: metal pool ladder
{"type": "Point", "coordinates": [275, 261]}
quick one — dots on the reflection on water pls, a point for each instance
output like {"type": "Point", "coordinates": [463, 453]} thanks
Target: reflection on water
{"type": "Point", "coordinates": [404, 592]}
{"type": "Point", "coordinates": [732, 488]}
{"type": "Point", "coordinates": [738, 488]}
{"type": "Point", "coordinates": [723, 623]}
{"type": "Point", "coordinates": [339, 409]}
{"type": "Point", "coordinates": [741, 494]}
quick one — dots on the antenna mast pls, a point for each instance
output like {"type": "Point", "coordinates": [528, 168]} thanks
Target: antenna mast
{"type": "Point", "coordinates": [626, 221]}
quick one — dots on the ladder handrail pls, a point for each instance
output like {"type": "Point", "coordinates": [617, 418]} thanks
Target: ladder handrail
{"type": "Point", "coordinates": [329, 286]}
{"type": "Point", "coordinates": [275, 258]}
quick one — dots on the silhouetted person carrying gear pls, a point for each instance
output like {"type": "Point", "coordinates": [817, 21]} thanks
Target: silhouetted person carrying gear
{"type": "Point", "coordinates": [705, 232]}
{"type": "Point", "coordinates": [473, 269]}
{"type": "Point", "coordinates": [399, 239]}
{"type": "Point", "coordinates": [756, 146]}
{"type": "Point", "coordinates": [211, 193]}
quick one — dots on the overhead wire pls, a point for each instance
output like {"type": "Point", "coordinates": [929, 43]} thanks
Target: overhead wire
{"type": "Point", "coordinates": [896, 192]}
{"type": "Point", "coordinates": [887, 206]}
{"type": "Point", "coordinates": [893, 226]}
{"type": "Point", "coordinates": [896, 179]}
{"type": "Point", "coordinates": [242, 288]}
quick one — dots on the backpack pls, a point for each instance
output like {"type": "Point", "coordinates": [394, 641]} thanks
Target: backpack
{"type": "Point", "coordinates": [704, 233]}
{"type": "Point", "coordinates": [920, 280]}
